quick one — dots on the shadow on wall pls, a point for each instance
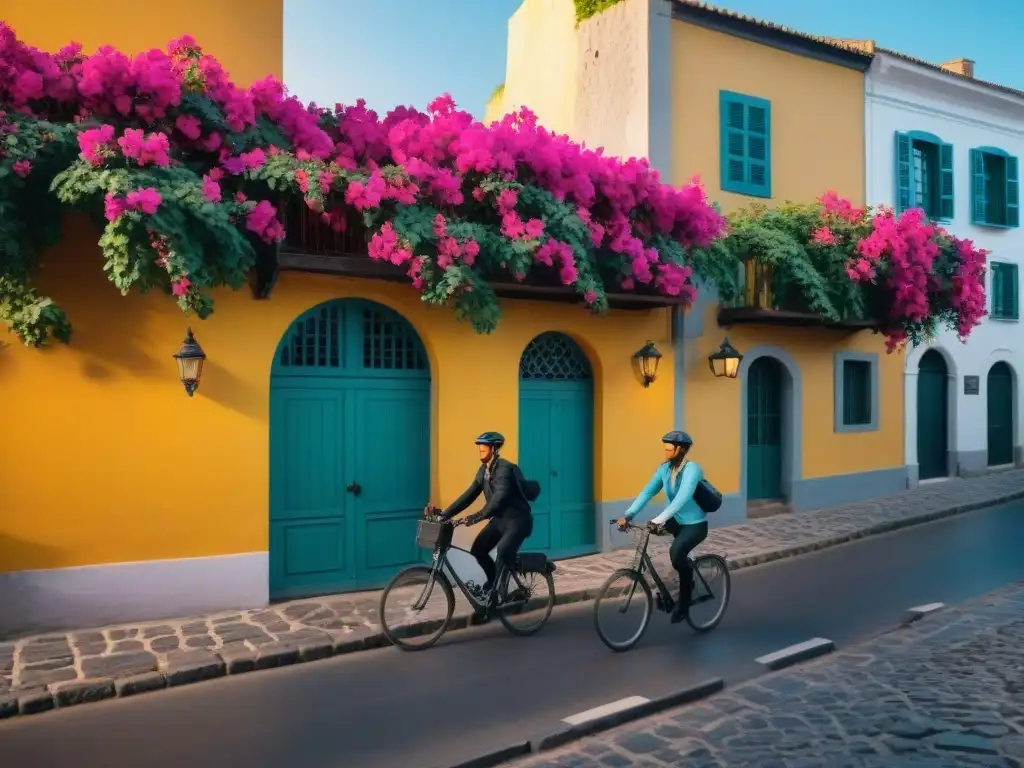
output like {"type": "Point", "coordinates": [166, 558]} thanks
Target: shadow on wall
{"type": "Point", "coordinates": [118, 340]}
{"type": "Point", "coordinates": [221, 386]}
{"type": "Point", "coordinates": [20, 598]}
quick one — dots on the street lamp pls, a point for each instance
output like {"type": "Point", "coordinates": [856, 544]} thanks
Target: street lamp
{"type": "Point", "coordinates": [190, 363]}
{"type": "Point", "coordinates": [725, 363]}
{"type": "Point", "coordinates": [647, 358]}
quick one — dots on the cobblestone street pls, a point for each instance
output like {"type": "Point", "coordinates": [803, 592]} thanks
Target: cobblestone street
{"type": "Point", "coordinates": [945, 692]}
{"type": "Point", "coordinates": [62, 669]}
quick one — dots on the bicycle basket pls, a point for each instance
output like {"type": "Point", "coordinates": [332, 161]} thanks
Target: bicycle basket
{"type": "Point", "coordinates": [431, 535]}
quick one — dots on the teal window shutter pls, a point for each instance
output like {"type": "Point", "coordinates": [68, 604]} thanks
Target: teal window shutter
{"type": "Point", "coordinates": [856, 392]}
{"type": "Point", "coordinates": [1005, 291]}
{"type": "Point", "coordinates": [946, 182]}
{"type": "Point", "coordinates": [1010, 280]}
{"type": "Point", "coordinates": [1012, 193]}
{"type": "Point", "coordinates": [979, 203]}
{"type": "Point", "coordinates": [902, 175]}
{"type": "Point", "coordinates": [745, 139]}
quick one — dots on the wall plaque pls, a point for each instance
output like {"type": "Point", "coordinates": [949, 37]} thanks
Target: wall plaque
{"type": "Point", "coordinates": [972, 385]}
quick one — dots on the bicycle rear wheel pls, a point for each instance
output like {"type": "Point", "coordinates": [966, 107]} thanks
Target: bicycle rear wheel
{"type": "Point", "coordinates": [710, 596]}
{"type": "Point", "coordinates": [416, 607]}
{"type": "Point", "coordinates": [532, 596]}
{"type": "Point", "coordinates": [622, 610]}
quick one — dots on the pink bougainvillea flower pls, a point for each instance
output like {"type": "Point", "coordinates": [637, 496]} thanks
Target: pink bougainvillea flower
{"type": "Point", "coordinates": [180, 286]}
{"type": "Point", "coordinates": [22, 168]}
{"type": "Point", "coordinates": [211, 189]}
{"type": "Point", "coordinates": [145, 199]}
{"type": "Point", "coordinates": [189, 126]}
{"type": "Point", "coordinates": [113, 207]}
{"type": "Point", "coordinates": [823, 236]}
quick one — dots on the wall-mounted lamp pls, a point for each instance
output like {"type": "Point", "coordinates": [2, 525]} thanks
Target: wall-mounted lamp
{"type": "Point", "coordinates": [190, 363]}
{"type": "Point", "coordinates": [647, 359]}
{"type": "Point", "coordinates": [725, 363]}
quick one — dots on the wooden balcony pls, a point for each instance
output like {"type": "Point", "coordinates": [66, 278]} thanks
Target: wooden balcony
{"type": "Point", "coordinates": [758, 304]}
{"type": "Point", "coordinates": [313, 246]}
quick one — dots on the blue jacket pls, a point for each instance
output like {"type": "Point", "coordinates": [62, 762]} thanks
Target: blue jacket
{"type": "Point", "coordinates": [680, 505]}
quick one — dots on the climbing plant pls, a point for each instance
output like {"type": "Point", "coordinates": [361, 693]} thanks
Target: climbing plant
{"type": "Point", "coordinates": [184, 173]}
{"type": "Point", "coordinates": [585, 9]}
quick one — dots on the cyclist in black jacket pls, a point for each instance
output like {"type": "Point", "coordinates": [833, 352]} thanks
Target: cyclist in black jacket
{"type": "Point", "coordinates": [510, 519]}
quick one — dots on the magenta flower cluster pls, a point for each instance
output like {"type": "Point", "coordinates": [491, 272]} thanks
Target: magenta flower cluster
{"type": "Point", "coordinates": [443, 154]}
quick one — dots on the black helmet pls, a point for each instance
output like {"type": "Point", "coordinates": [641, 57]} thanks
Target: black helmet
{"type": "Point", "coordinates": [677, 437]}
{"type": "Point", "coordinates": [495, 439]}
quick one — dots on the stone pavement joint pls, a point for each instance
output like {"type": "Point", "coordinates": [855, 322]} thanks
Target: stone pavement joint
{"type": "Point", "coordinates": [63, 669]}
{"type": "Point", "coordinates": [944, 692]}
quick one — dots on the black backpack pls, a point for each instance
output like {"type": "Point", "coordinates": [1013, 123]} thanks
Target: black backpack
{"type": "Point", "coordinates": [529, 488]}
{"type": "Point", "coordinates": [708, 497]}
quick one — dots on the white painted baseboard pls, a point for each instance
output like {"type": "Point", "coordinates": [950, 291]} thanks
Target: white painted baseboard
{"type": "Point", "coordinates": [97, 595]}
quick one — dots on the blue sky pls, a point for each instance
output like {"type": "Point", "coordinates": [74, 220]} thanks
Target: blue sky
{"type": "Point", "coordinates": [409, 51]}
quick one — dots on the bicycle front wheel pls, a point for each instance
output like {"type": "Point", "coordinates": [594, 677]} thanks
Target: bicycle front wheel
{"type": "Point", "coordinates": [531, 596]}
{"type": "Point", "coordinates": [416, 607]}
{"type": "Point", "coordinates": [622, 610]}
{"type": "Point", "coordinates": [712, 587]}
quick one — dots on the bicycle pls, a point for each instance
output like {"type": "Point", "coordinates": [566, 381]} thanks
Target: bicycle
{"type": "Point", "coordinates": [634, 578]}
{"type": "Point", "coordinates": [410, 597]}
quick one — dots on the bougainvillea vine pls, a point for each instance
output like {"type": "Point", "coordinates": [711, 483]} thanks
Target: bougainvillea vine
{"type": "Point", "coordinates": [907, 274]}
{"type": "Point", "coordinates": [187, 174]}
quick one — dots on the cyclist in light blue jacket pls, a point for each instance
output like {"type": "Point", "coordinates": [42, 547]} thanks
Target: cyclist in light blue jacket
{"type": "Point", "coordinates": [682, 517]}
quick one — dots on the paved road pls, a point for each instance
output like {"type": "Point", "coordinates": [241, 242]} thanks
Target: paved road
{"type": "Point", "coordinates": [481, 689]}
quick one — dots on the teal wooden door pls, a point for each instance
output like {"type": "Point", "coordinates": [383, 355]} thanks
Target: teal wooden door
{"type": "Point", "coordinates": [1000, 415]}
{"type": "Point", "coordinates": [349, 450]}
{"type": "Point", "coordinates": [932, 409]}
{"type": "Point", "coordinates": [764, 430]}
{"type": "Point", "coordinates": [556, 444]}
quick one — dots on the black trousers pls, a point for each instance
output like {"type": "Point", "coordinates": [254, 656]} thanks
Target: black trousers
{"type": "Point", "coordinates": [506, 534]}
{"type": "Point", "coordinates": [685, 539]}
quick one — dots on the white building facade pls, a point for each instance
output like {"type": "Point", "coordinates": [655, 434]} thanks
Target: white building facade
{"type": "Point", "coordinates": [939, 139]}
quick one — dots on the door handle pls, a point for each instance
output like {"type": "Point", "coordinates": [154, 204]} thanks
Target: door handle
{"type": "Point", "coordinates": [554, 473]}
{"type": "Point", "coordinates": [354, 488]}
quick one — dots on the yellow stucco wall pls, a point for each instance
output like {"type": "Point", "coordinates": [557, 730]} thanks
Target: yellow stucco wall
{"type": "Point", "coordinates": [817, 115]}
{"type": "Point", "coordinates": [713, 413]}
{"type": "Point", "coordinates": [541, 64]}
{"type": "Point", "coordinates": [105, 459]}
{"type": "Point", "coordinates": [245, 35]}
{"type": "Point", "coordinates": [817, 144]}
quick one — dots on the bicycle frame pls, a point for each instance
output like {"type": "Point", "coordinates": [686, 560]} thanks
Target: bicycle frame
{"type": "Point", "coordinates": [642, 563]}
{"type": "Point", "coordinates": [442, 566]}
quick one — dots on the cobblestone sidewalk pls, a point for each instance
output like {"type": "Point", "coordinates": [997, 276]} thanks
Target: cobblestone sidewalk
{"type": "Point", "coordinates": [946, 692]}
{"type": "Point", "coordinates": [41, 672]}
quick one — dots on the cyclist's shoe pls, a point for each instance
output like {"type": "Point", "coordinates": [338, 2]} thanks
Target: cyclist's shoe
{"type": "Point", "coordinates": [679, 612]}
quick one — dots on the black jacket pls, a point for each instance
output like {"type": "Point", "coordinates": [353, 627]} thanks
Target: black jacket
{"type": "Point", "coordinates": [503, 493]}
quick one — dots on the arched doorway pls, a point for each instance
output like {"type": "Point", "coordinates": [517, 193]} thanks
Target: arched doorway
{"type": "Point", "coordinates": [765, 408]}
{"type": "Point", "coordinates": [349, 449]}
{"type": "Point", "coordinates": [556, 444]}
{"type": "Point", "coordinates": [932, 416]}
{"type": "Point", "coordinates": [1000, 415]}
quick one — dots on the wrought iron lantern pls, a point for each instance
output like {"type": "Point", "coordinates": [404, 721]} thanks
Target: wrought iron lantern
{"type": "Point", "coordinates": [190, 360]}
{"type": "Point", "coordinates": [647, 359]}
{"type": "Point", "coordinates": [725, 363]}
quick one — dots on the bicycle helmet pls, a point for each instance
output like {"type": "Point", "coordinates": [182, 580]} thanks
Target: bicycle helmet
{"type": "Point", "coordinates": [677, 437]}
{"type": "Point", "coordinates": [495, 439]}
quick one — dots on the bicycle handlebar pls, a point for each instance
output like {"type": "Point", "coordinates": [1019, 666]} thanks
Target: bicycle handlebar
{"type": "Point", "coordinates": [631, 527]}
{"type": "Point", "coordinates": [452, 523]}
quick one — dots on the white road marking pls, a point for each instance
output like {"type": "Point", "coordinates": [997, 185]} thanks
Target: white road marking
{"type": "Point", "coordinates": [605, 709]}
{"type": "Point", "coordinates": [918, 611]}
{"type": "Point", "coordinates": [794, 650]}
